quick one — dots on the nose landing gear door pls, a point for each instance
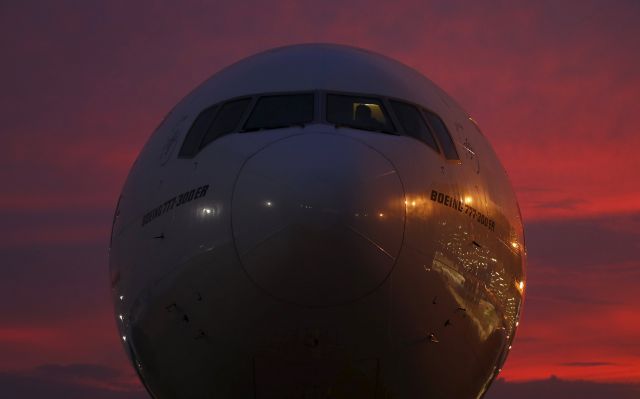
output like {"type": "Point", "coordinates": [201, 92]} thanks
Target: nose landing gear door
{"type": "Point", "coordinates": [317, 379]}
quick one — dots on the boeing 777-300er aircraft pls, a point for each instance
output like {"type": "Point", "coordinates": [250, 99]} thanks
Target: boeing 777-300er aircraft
{"type": "Point", "coordinates": [312, 222]}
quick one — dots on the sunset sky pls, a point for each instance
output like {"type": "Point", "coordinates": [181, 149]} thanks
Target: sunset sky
{"type": "Point", "coordinates": [555, 86]}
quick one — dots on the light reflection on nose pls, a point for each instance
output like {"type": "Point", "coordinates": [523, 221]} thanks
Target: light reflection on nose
{"type": "Point", "coordinates": [520, 286]}
{"type": "Point", "coordinates": [209, 211]}
{"type": "Point", "coordinates": [315, 232]}
{"type": "Point", "coordinates": [417, 205]}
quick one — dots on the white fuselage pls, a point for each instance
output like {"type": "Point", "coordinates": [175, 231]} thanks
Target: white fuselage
{"type": "Point", "coordinates": [317, 261]}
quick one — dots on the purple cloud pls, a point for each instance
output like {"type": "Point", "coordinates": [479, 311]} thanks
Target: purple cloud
{"type": "Point", "coordinates": [76, 381]}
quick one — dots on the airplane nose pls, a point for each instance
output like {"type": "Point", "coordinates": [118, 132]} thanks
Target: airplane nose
{"type": "Point", "coordinates": [318, 219]}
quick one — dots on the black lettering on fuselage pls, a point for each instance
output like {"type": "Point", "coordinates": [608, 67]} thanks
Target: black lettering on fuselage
{"type": "Point", "coordinates": [176, 201]}
{"type": "Point", "coordinates": [460, 206]}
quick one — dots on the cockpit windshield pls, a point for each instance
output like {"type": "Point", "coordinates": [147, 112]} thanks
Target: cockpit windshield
{"type": "Point", "coordinates": [283, 110]}
{"type": "Point", "coordinates": [273, 112]}
{"type": "Point", "coordinates": [413, 123]}
{"type": "Point", "coordinates": [358, 112]}
{"type": "Point", "coordinates": [226, 120]}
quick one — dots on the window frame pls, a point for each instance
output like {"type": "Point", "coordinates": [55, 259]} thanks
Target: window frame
{"type": "Point", "coordinates": [385, 110]}
{"type": "Point", "coordinates": [217, 107]}
{"type": "Point", "coordinates": [424, 111]}
{"type": "Point", "coordinates": [419, 108]}
{"type": "Point", "coordinates": [220, 105]}
{"type": "Point", "coordinates": [257, 97]}
{"type": "Point", "coordinates": [320, 108]}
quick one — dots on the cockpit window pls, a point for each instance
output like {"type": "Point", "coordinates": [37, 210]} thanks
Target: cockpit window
{"type": "Point", "coordinates": [443, 135]}
{"type": "Point", "coordinates": [199, 128]}
{"type": "Point", "coordinates": [413, 123]}
{"type": "Point", "coordinates": [358, 112]}
{"type": "Point", "coordinates": [273, 112]}
{"type": "Point", "coordinates": [227, 119]}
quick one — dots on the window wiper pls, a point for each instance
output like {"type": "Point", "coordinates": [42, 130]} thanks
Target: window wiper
{"type": "Point", "coordinates": [299, 124]}
{"type": "Point", "coordinates": [358, 127]}
{"type": "Point", "coordinates": [385, 131]}
{"type": "Point", "coordinates": [255, 129]}
{"type": "Point", "coordinates": [347, 125]}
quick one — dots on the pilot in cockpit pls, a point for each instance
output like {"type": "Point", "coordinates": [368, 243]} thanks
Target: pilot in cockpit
{"type": "Point", "coordinates": [363, 117]}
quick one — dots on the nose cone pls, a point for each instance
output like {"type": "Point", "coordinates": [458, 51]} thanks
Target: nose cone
{"type": "Point", "coordinates": [318, 219]}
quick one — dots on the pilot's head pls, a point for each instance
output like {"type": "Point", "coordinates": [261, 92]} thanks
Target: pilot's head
{"type": "Point", "coordinates": [363, 113]}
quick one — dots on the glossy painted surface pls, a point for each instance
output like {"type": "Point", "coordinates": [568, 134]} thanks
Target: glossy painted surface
{"type": "Point", "coordinates": [314, 221]}
{"type": "Point", "coordinates": [321, 262]}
